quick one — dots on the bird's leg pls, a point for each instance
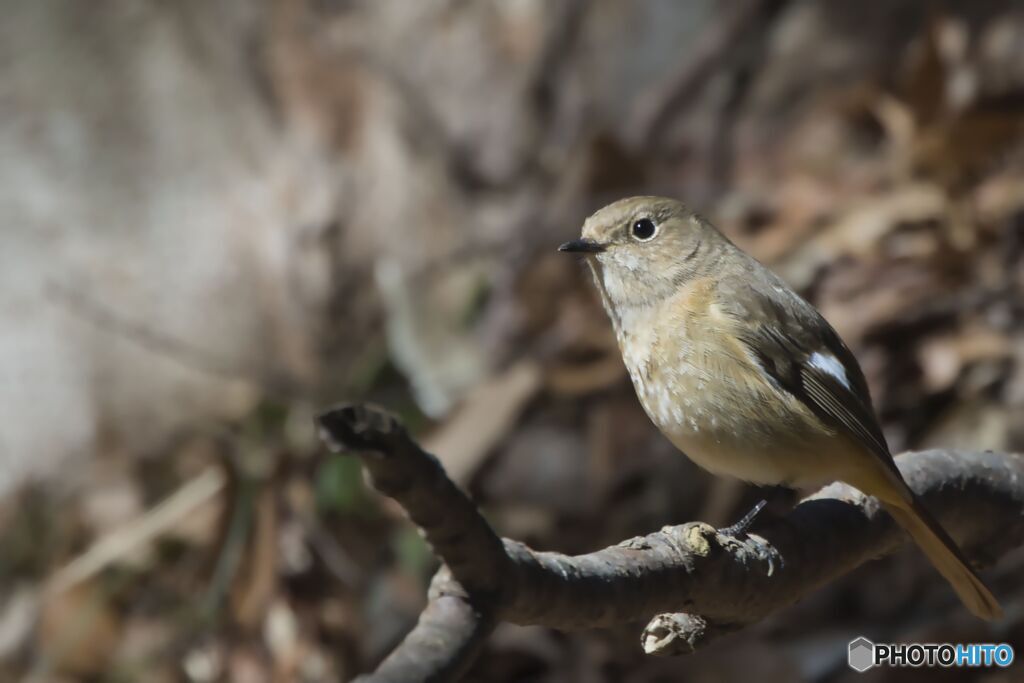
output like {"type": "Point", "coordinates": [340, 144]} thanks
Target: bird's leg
{"type": "Point", "coordinates": [741, 527]}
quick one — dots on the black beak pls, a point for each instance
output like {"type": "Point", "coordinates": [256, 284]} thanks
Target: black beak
{"type": "Point", "coordinates": [582, 246]}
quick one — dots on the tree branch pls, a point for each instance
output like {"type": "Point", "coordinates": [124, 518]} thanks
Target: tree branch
{"type": "Point", "coordinates": [697, 582]}
{"type": "Point", "coordinates": [656, 110]}
{"type": "Point", "coordinates": [447, 638]}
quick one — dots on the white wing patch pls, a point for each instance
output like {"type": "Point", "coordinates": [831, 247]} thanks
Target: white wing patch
{"type": "Point", "coordinates": [828, 363]}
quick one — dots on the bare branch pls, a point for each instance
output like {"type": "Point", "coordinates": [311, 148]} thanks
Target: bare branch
{"type": "Point", "coordinates": [656, 110]}
{"type": "Point", "coordinates": [401, 469]}
{"type": "Point", "coordinates": [699, 582]}
{"type": "Point", "coordinates": [445, 641]}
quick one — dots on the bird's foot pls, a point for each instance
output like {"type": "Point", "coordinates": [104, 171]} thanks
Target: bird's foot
{"type": "Point", "coordinates": [758, 546]}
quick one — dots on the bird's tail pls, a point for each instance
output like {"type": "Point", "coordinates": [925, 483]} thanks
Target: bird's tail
{"type": "Point", "coordinates": [946, 557]}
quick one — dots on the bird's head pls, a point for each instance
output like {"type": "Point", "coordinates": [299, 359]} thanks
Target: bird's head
{"type": "Point", "coordinates": [642, 249]}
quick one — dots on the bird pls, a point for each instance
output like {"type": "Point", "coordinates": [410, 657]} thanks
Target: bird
{"type": "Point", "coordinates": [743, 375]}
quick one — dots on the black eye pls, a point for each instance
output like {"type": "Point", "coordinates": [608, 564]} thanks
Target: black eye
{"type": "Point", "coordinates": [644, 229]}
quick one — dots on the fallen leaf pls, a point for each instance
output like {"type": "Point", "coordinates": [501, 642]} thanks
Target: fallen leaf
{"type": "Point", "coordinates": [255, 585]}
{"type": "Point", "coordinates": [943, 358]}
{"type": "Point", "coordinates": [577, 380]}
{"type": "Point", "coordinates": [78, 630]}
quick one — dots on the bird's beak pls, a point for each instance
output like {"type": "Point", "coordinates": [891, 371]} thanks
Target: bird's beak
{"type": "Point", "coordinates": [582, 246]}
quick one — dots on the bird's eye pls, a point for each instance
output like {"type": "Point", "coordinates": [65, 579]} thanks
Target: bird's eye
{"type": "Point", "coordinates": [644, 229]}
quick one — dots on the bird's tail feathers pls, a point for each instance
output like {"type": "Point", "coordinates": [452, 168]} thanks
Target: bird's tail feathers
{"type": "Point", "coordinates": [946, 557]}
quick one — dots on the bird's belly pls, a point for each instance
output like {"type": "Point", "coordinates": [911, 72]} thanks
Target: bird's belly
{"type": "Point", "coordinates": [749, 460]}
{"type": "Point", "coordinates": [772, 444]}
{"type": "Point", "coordinates": [710, 406]}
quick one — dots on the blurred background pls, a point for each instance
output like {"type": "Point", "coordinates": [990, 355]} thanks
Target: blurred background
{"type": "Point", "coordinates": [218, 218]}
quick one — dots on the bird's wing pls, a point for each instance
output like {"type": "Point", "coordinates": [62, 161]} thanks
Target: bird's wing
{"type": "Point", "coordinates": [801, 352]}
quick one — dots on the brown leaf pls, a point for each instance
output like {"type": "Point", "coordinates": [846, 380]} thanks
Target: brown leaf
{"type": "Point", "coordinates": [924, 84]}
{"type": "Point", "coordinates": [955, 152]}
{"type": "Point", "coordinates": [943, 358]}
{"type": "Point", "coordinates": [78, 630]}
{"type": "Point", "coordinates": [257, 580]}
{"type": "Point", "coordinates": [577, 380]}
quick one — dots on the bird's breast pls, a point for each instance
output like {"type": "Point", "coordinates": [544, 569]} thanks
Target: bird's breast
{"type": "Point", "coordinates": [704, 391]}
{"type": "Point", "coordinates": [666, 351]}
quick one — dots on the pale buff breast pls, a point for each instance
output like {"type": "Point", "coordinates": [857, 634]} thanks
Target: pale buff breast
{"type": "Point", "coordinates": [706, 393]}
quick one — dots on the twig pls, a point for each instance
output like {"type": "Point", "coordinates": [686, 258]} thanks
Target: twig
{"type": "Point", "coordinates": [655, 111]}
{"type": "Point", "coordinates": [157, 521]}
{"type": "Point", "coordinates": [449, 634]}
{"type": "Point", "coordinates": [721, 583]}
{"type": "Point", "coordinates": [77, 300]}
{"type": "Point", "coordinates": [413, 477]}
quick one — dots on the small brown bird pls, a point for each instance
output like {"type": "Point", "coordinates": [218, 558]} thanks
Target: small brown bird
{"type": "Point", "coordinates": [743, 375]}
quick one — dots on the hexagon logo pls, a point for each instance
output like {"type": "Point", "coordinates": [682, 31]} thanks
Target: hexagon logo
{"type": "Point", "coordinates": [861, 655]}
